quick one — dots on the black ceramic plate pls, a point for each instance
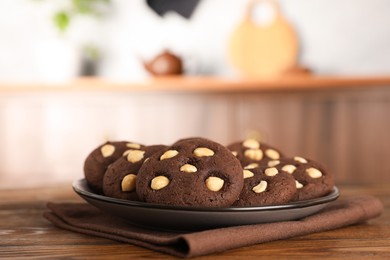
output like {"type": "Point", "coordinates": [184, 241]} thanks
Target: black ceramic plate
{"type": "Point", "coordinates": [192, 218]}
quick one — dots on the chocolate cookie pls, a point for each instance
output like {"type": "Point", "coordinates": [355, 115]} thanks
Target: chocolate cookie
{"type": "Point", "coordinates": [252, 151]}
{"type": "Point", "coordinates": [99, 159]}
{"type": "Point", "coordinates": [193, 172]}
{"type": "Point", "coordinates": [266, 186]}
{"type": "Point", "coordinates": [312, 179]}
{"type": "Point", "coordinates": [120, 177]}
{"type": "Point", "coordinates": [187, 139]}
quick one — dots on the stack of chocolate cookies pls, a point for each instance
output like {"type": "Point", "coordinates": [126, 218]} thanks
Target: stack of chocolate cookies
{"type": "Point", "coordinates": [202, 173]}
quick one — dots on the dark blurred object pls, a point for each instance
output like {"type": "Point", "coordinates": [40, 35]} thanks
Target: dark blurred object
{"type": "Point", "coordinates": [183, 7]}
{"type": "Point", "coordinates": [165, 63]}
{"type": "Point", "coordinates": [298, 70]}
{"type": "Point", "coordinates": [88, 68]}
{"type": "Point", "coordinates": [90, 60]}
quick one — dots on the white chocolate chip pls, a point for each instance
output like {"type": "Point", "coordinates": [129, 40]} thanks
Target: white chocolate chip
{"type": "Point", "coordinates": [289, 168]}
{"type": "Point", "coordinates": [126, 152]}
{"type": "Point", "coordinates": [133, 145]}
{"type": "Point", "coordinates": [188, 168]}
{"type": "Point", "coordinates": [298, 185]}
{"type": "Point", "coordinates": [234, 153]}
{"type": "Point", "coordinates": [147, 159]}
{"type": "Point", "coordinates": [271, 171]}
{"type": "Point", "coordinates": [251, 166]}
{"type": "Point", "coordinates": [254, 154]}
{"type": "Point", "coordinates": [169, 154]}
{"type": "Point", "coordinates": [273, 154]}
{"type": "Point", "coordinates": [159, 182]}
{"type": "Point", "coordinates": [134, 156]}
{"type": "Point", "coordinates": [261, 187]}
{"type": "Point", "coordinates": [128, 182]}
{"type": "Point", "coordinates": [214, 183]}
{"type": "Point", "coordinates": [300, 159]}
{"type": "Point", "coordinates": [247, 174]}
{"type": "Point", "coordinates": [314, 173]}
{"type": "Point", "coordinates": [273, 163]}
{"type": "Point", "coordinates": [203, 151]}
{"type": "Point", "coordinates": [107, 150]}
{"type": "Point", "coordinates": [251, 143]}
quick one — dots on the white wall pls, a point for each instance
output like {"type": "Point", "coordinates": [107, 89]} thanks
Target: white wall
{"type": "Point", "coordinates": [337, 36]}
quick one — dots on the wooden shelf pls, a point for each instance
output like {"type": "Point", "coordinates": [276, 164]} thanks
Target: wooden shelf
{"type": "Point", "coordinates": [201, 84]}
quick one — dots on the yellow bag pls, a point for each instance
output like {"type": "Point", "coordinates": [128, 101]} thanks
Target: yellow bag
{"type": "Point", "coordinates": [263, 51]}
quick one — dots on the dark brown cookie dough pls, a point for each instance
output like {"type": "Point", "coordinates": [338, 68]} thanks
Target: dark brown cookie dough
{"type": "Point", "coordinates": [99, 159]}
{"type": "Point", "coordinates": [266, 186]}
{"type": "Point", "coordinates": [252, 151]}
{"type": "Point", "coordinates": [188, 139]}
{"type": "Point", "coordinates": [194, 172]}
{"type": "Point", "coordinates": [312, 179]}
{"type": "Point", "coordinates": [120, 177]}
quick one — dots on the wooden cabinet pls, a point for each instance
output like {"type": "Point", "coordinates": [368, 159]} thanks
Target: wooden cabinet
{"type": "Point", "coordinates": [47, 131]}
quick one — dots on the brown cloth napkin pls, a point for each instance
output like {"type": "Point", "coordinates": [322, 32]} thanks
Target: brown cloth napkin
{"type": "Point", "coordinates": [86, 219]}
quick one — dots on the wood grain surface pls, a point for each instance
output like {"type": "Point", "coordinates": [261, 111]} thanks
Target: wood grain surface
{"type": "Point", "coordinates": [24, 233]}
{"type": "Point", "coordinates": [342, 122]}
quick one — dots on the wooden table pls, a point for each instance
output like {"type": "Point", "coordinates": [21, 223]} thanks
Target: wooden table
{"type": "Point", "coordinates": [25, 233]}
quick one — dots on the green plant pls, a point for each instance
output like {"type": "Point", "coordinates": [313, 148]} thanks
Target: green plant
{"type": "Point", "coordinates": [91, 52]}
{"type": "Point", "coordinates": [96, 8]}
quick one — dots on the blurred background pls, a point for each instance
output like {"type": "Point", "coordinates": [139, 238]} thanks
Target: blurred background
{"type": "Point", "coordinates": [311, 77]}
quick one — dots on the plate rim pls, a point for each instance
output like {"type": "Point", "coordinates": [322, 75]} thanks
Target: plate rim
{"type": "Point", "coordinates": [77, 187]}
